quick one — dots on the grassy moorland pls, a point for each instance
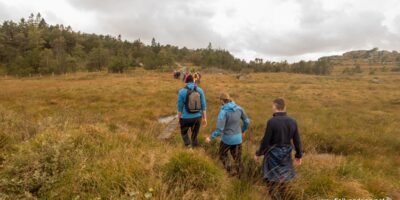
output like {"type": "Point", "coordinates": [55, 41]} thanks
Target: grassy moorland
{"type": "Point", "coordinates": [94, 136]}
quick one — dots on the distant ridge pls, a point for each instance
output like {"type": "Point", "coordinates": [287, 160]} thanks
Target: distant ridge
{"type": "Point", "coordinates": [373, 56]}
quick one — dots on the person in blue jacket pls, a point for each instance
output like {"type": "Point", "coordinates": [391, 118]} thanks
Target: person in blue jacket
{"type": "Point", "coordinates": [189, 120]}
{"type": "Point", "coordinates": [228, 125]}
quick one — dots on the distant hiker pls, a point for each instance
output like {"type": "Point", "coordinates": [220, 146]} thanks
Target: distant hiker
{"type": "Point", "coordinates": [185, 75]}
{"type": "Point", "coordinates": [197, 77]}
{"type": "Point", "coordinates": [177, 74]}
{"type": "Point", "coordinates": [276, 147]}
{"type": "Point", "coordinates": [191, 111]}
{"type": "Point", "coordinates": [228, 125]}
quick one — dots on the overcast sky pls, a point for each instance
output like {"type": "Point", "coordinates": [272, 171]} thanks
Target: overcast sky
{"type": "Point", "coordinates": [270, 29]}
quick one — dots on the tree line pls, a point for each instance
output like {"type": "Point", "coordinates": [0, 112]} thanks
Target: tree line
{"type": "Point", "coordinates": [32, 46]}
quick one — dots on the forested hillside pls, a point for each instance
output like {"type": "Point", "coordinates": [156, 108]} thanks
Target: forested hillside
{"type": "Point", "coordinates": [32, 46]}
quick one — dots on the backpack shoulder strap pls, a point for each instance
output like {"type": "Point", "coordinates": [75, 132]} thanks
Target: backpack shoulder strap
{"type": "Point", "coordinates": [194, 89]}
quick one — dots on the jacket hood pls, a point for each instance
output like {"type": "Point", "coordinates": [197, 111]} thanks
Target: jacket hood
{"type": "Point", "coordinates": [231, 106]}
{"type": "Point", "coordinates": [191, 85]}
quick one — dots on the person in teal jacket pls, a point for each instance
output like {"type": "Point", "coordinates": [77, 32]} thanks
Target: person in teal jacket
{"type": "Point", "coordinates": [189, 120]}
{"type": "Point", "coordinates": [228, 125]}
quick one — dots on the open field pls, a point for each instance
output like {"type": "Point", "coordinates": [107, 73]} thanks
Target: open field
{"type": "Point", "coordinates": [94, 136]}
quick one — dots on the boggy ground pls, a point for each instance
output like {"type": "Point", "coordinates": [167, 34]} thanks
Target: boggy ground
{"type": "Point", "coordinates": [94, 136]}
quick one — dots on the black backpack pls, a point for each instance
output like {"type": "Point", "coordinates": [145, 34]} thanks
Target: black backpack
{"type": "Point", "coordinates": [193, 100]}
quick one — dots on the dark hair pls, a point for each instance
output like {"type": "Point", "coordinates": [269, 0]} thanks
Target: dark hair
{"type": "Point", "coordinates": [279, 103]}
{"type": "Point", "coordinates": [226, 100]}
{"type": "Point", "coordinates": [189, 79]}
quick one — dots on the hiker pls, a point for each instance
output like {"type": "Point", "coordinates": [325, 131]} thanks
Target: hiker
{"type": "Point", "coordinates": [276, 147]}
{"type": "Point", "coordinates": [185, 75]}
{"type": "Point", "coordinates": [228, 125]}
{"type": "Point", "coordinates": [191, 111]}
{"type": "Point", "coordinates": [197, 77]}
{"type": "Point", "coordinates": [177, 74]}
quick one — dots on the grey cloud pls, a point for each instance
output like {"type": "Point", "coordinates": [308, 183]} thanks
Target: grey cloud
{"type": "Point", "coordinates": [325, 31]}
{"type": "Point", "coordinates": [311, 13]}
{"type": "Point", "coordinates": [397, 23]}
{"type": "Point", "coordinates": [53, 18]}
{"type": "Point", "coordinates": [4, 12]}
{"type": "Point", "coordinates": [183, 23]}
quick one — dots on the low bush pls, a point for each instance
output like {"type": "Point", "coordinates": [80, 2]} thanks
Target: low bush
{"type": "Point", "coordinates": [89, 161]}
{"type": "Point", "coordinates": [36, 166]}
{"type": "Point", "coordinates": [190, 171]}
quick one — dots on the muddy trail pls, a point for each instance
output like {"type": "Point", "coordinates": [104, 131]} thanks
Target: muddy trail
{"type": "Point", "coordinates": [171, 122]}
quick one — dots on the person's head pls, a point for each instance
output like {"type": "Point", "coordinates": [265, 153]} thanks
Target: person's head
{"type": "Point", "coordinates": [189, 79]}
{"type": "Point", "coordinates": [225, 98]}
{"type": "Point", "coordinates": [278, 105]}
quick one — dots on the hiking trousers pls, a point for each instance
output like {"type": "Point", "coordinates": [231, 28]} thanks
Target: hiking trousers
{"type": "Point", "coordinates": [194, 126]}
{"type": "Point", "coordinates": [236, 153]}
